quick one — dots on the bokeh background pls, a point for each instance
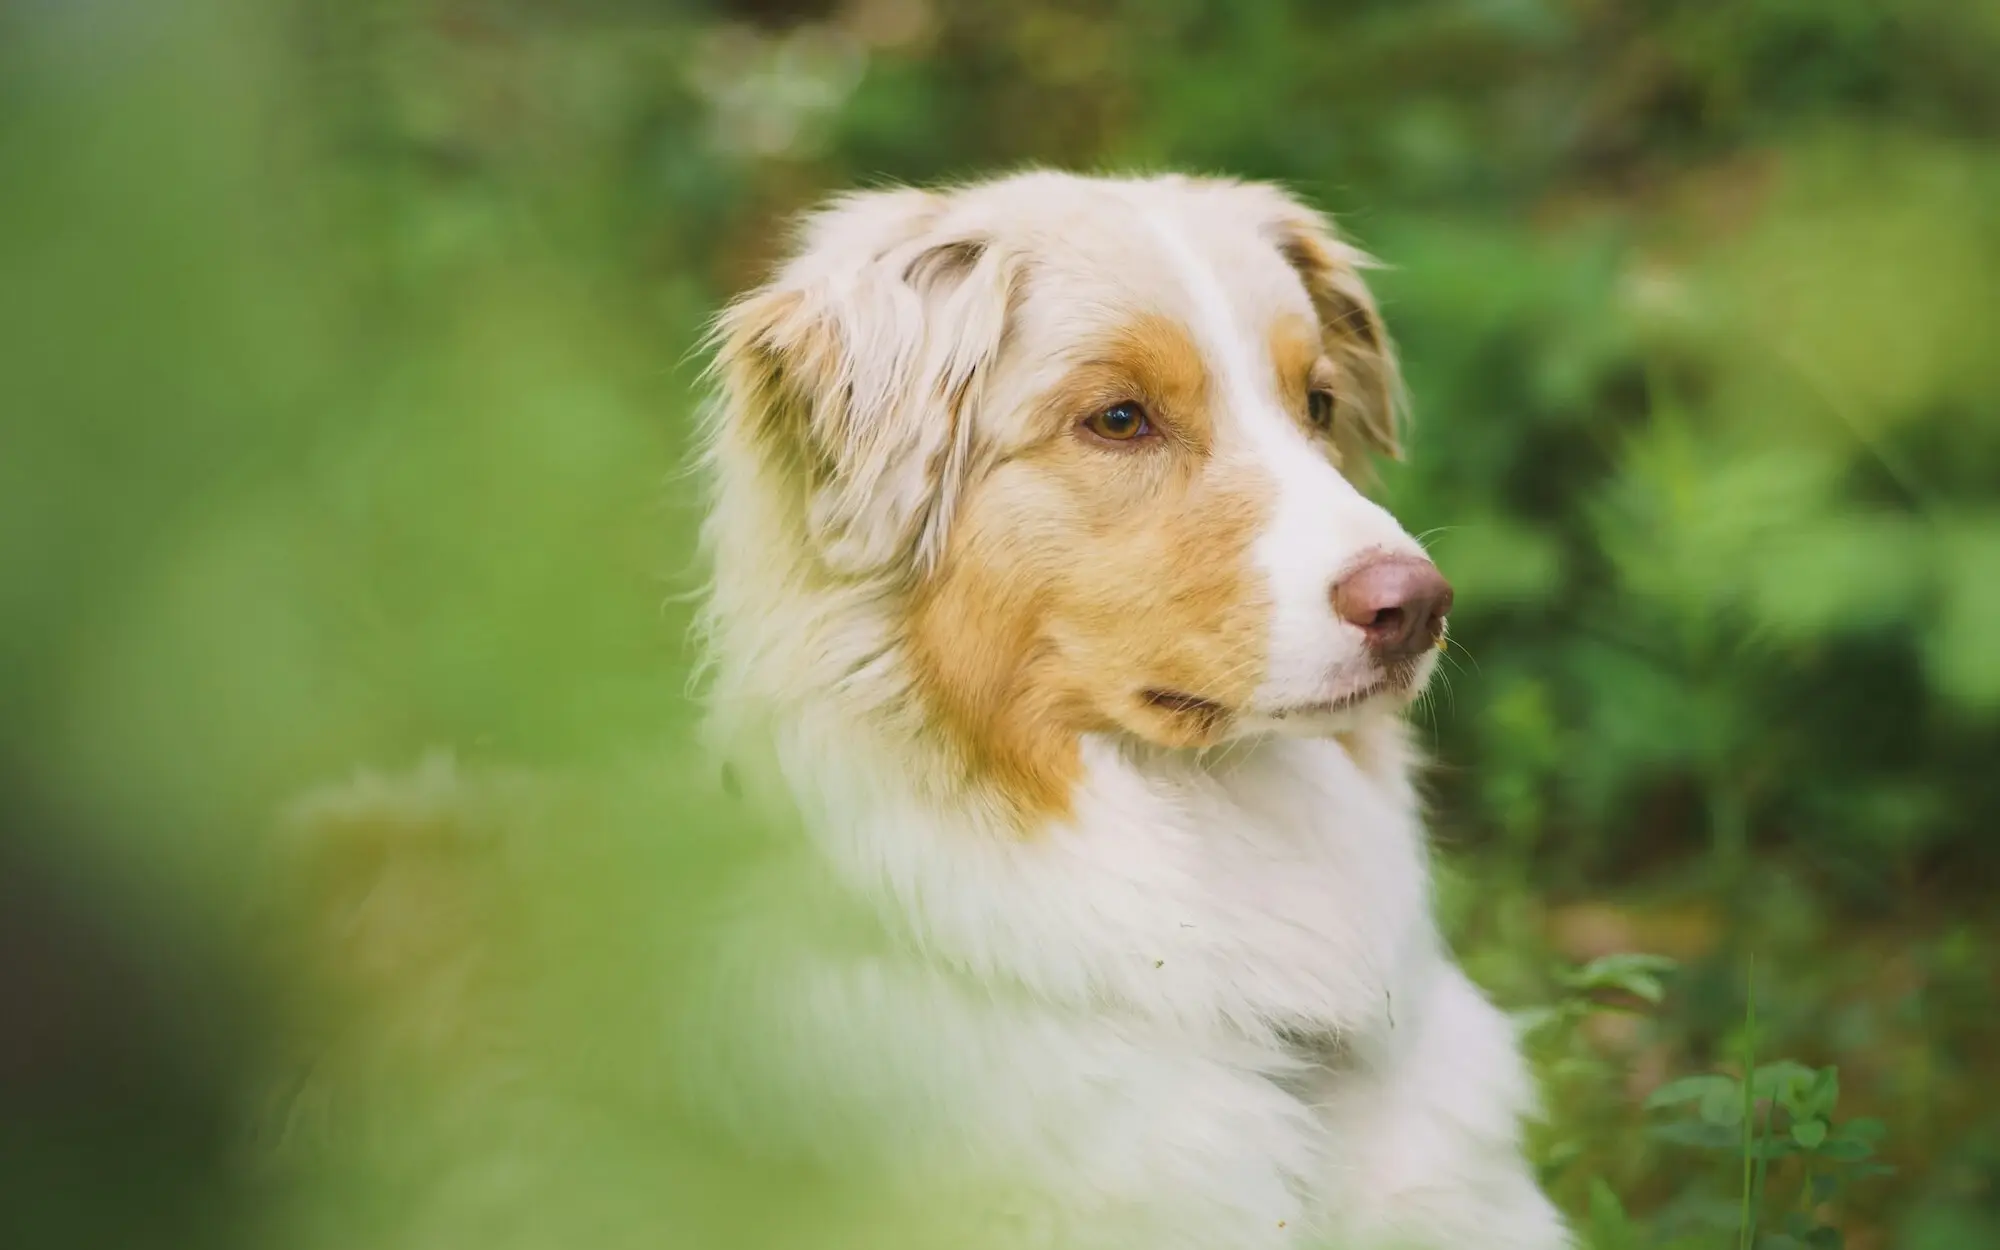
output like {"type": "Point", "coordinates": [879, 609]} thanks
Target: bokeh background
{"type": "Point", "coordinates": [348, 352]}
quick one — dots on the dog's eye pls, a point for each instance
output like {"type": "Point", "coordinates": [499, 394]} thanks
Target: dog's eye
{"type": "Point", "coordinates": [1319, 407]}
{"type": "Point", "coordinates": [1121, 423]}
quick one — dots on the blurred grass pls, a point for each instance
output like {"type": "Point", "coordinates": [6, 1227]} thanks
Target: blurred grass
{"type": "Point", "coordinates": [345, 355]}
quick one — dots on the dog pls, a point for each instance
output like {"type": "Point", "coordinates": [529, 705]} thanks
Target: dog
{"type": "Point", "coordinates": [1046, 600]}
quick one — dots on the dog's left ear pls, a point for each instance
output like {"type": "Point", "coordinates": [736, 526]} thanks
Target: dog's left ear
{"type": "Point", "coordinates": [1371, 401]}
{"type": "Point", "coordinates": [857, 370]}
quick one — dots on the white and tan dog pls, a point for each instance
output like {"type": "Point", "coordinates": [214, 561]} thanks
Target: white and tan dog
{"type": "Point", "coordinates": [1045, 598]}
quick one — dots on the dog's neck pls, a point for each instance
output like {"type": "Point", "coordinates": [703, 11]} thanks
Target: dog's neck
{"type": "Point", "coordinates": [1221, 886]}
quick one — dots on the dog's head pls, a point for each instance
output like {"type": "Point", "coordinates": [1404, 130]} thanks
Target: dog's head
{"type": "Point", "coordinates": [1095, 442]}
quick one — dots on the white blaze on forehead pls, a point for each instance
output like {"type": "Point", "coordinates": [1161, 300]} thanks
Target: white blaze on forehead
{"type": "Point", "coordinates": [1235, 356]}
{"type": "Point", "coordinates": [1319, 523]}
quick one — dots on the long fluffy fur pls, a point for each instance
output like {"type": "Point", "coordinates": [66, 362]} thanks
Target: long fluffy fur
{"type": "Point", "coordinates": [1207, 1007]}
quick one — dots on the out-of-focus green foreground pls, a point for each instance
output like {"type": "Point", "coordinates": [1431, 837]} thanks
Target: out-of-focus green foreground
{"type": "Point", "coordinates": [348, 363]}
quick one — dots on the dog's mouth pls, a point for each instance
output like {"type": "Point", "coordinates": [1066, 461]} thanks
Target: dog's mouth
{"type": "Point", "coordinates": [1327, 707]}
{"type": "Point", "coordinates": [1395, 680]}
{"type": "Point", "coordinates": [1184, 706]}
{"type": "Point", "coordinates": [1399, 679]}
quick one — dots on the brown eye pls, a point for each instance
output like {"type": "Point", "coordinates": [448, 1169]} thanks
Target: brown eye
{"type": "Point", "coordinates": [1319, 408]}
{"type": "Point", "coordinates": [1120, 423]}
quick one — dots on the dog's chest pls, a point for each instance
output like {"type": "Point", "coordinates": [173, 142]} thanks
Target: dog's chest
{"type": "Point", "coordinates": [1286, 886]}
{"type": "Point", "coordinates": [1210, 956]}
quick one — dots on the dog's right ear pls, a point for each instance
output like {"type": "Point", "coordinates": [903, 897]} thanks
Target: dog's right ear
{"type": "Point", "coordinates": [857, 369]}
{"type": "Point", "coordinates": [1371, 402]}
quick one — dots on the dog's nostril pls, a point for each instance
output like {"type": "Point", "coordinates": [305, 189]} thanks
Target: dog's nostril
{"type": "Point", "coordinates": [1398, 603]}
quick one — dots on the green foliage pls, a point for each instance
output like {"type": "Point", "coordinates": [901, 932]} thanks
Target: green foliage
{"type": "Point", "coordinates": [1786, 1114]}
{"type": "Point", "coordinates": [347, 361]}
{"type": "Point", "coordinates": [1634, 974]}
{"type": "Point", "coordinates": [1787, 1111]}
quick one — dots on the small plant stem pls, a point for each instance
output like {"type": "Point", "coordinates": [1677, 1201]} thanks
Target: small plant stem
{"type": "Point", "coordinates": [1748, 1223]}
{"type": "Point", "coordinates": [1763, 1160]}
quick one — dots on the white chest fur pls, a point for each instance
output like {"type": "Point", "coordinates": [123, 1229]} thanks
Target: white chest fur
{"type": "Point", "coordinates": [1119, 1017]}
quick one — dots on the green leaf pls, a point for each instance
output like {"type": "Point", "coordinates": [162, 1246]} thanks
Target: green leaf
{"type": "Point", "coordinates": [1781, 1079]}
{"type": "Point", "coordinates": [1532, 1020]}
{"type": "Point", "coordinates": [1688, 1089]}
{"type": "Point", "coordinates": [1825, 1186]}
{"type": "Point", "coordinates": [1819, 1101]}
{"type": "Point", "coordinates": [1846, 1150]}
{"type": "Point", "coordinates": [1805, 1093]}
{"type": "Point", "coordinates": [1635, 974]}
{"type": "Point", "coordinates": [1865, 1129]}
{"type": "Point", "coordinates": [1809, 1133]}
{"type": "Point", "coordinates": [1722, 1104]}
{"type": "Point", "coordinates": [1693, 1210]}
{"type": "Point", "coordinates": [1962, 664]}
{"type": "Point", "coordinates": [1698, 1135]}
{"type": "Point", "coordinates": [1608, 1225]}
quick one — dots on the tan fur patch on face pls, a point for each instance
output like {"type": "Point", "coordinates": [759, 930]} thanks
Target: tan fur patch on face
{"type": "Point", "coordinates": [1302, 367]}
{"type": "Point", "coordinates": [1298, 363]}
{"type": "Point", "coordinates": [1092, 588]}
{"type": "Point", "coordinates": [1151, 361]}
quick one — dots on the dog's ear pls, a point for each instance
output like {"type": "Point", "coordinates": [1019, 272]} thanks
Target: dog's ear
{"type": "Point", "coordinates": [858, 368]}
{"type": "Point", "coordinates": [1370, 397]}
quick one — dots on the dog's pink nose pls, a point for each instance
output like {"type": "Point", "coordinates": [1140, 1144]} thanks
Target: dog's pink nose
{"type": "Point", "coordinates": [1398, 602]}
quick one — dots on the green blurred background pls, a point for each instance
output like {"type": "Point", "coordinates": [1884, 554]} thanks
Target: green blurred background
{"type": "Point", "coordinates": [347, 362]}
